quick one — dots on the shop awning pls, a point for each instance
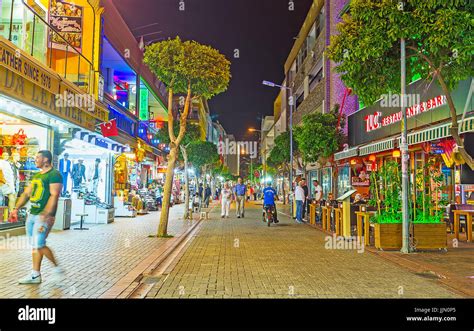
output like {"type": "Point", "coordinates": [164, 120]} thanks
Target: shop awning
{"type": "Point", "coordinates": [346, 154]}
{"type": "Point", "coordinates": [438, 132]}
{"type": "Point", "coordinates": [380, 146]}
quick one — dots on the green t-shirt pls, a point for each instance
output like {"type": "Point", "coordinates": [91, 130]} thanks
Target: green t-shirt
{"type": "Point", "coordinates": [40, 193]}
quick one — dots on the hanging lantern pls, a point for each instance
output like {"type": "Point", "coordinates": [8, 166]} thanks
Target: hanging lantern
{"type": "Point", "coordinates": [353, 161]}
{"type": "Point", "coordinates": [396, 153]}
{"type": "Point", "coordinates": [372, 158]}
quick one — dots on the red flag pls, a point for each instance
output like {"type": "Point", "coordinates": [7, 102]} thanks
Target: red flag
{"type": "Point", "coordinates": [109, 129]}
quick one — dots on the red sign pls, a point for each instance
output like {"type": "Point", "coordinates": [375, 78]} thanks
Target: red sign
{"type": "Point", "coordinates": [376, 121]}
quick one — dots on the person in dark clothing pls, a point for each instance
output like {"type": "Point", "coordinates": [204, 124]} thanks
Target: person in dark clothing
{"type": "Point", "coordinates": [306, 194]}
{"type": "Point", "coordinates": [207, 196]}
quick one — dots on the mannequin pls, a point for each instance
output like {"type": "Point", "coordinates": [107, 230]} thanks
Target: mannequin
{"type": "Point", "coordinates": [65, 170]}
{"type": "Point", "coordinates": [78, 172]}
{"type": "Point", "coordinates": [95, 175]}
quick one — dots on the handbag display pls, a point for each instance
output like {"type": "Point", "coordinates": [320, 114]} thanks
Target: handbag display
{"type": "Point", "coordinates": [7, 140]}
{"type": "Point", "coordinates": [19, 138]}
{"type": "Point", "coordinates": [23, 152]}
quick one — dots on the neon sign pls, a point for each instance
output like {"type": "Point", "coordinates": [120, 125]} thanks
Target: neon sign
{"type": "Point", "coordinates": [376, 121]}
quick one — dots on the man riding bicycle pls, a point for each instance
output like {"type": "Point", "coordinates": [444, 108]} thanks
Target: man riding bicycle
{"type": "Point", "coordinates": [269, 195]}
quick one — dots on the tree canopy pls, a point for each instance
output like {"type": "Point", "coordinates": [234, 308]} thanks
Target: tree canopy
{"type": "Point", "coordinates": [439, 41]}
{"type": "Point", "coordinates": [202, 153]}
{"type": "Point", "coordinates": [318, 136]}
{"type": "Point", "coordinates": [180, 65]}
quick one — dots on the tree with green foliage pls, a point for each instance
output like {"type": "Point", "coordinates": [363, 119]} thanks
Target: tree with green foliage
{"type": "Point", "coordinates": [203, 156]}
{"type": "Point", "coordinates": [279, 157]}
{"type": "Point", "coordinates": [193, 133]}
{"type": "Point", "coordinates": [318, 136]}
{"type": "Point", "coordinates": [439, 43]}
{"type": "Point", "coordinates": [185, 68]}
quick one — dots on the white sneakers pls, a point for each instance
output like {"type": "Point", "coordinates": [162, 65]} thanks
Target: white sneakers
{"type": "Point", "coordinates": [57, 277]}
{"type": "Point", "coordinates": [30, 279]}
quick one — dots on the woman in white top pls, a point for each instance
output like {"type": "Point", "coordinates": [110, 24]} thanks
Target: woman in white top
{"type": "Point", "coordinates": [300, 198]}
{"type": "Point", "coordinates": [226, 199]}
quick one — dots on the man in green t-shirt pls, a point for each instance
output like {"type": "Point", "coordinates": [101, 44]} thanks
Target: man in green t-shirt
{"type": "Point", "coordinates": [43, 193]}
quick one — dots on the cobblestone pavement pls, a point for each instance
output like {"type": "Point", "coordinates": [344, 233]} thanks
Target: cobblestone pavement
{"type": "Point", "coordinates": [93, 260]}
{"type": "Point", "coordinates": [243, 258]}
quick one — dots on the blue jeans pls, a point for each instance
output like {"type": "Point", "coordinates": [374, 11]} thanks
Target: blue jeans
{"type": "Point", "coordinates": [37, 231]}
{"type": "Point", "coordinates": [299, 210]}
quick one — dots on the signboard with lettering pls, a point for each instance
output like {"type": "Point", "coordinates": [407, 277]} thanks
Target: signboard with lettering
{"type": "Point", "coordinates": [66, 18]}
{"type": "Point", "coordinates": [143, 113]}
{"type": "Point", "coordinates": [27, 67]}
{"type": "Point", "coordinates": [380, 120]}
{"type": "Point", "coordinates": [19, 88]}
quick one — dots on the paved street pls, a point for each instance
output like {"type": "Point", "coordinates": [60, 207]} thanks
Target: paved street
{"type": "Point", "coordinates": [227, 258]}
{"type": "Point", "coordinates": [93, 260]}
{"type": "Point", "coordinates": [244, 258]}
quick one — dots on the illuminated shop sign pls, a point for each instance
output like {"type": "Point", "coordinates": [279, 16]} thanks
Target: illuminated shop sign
{"type": "Point", "coordinates": [377, 120]}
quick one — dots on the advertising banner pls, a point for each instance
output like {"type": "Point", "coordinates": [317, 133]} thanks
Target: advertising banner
{"type": "Point", "coordinates": [66, 18]}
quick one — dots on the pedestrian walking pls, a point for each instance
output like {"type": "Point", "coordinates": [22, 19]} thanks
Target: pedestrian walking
{"type": "Point", "coordinates": [300, 199]}
{"type": "Point", "coordinates": [207, 196]}
{"type": "Point", "coordinates": [226, 199]}
{"type": "Point", "coordinates": [43, 194]}
{"type": "Point", "coordinates": [306, 200]}
{"type": "Point", "coordinates": [239, 191]}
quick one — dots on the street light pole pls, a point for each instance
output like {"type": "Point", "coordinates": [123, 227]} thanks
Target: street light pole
{"type": "Point", "coordinates": [291, 102]}
{"type": "Point", "coordinates": [404, 154]}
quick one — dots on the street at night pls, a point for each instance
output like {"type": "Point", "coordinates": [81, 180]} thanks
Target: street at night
{"type": "Point", "coordinates": [317, 154]}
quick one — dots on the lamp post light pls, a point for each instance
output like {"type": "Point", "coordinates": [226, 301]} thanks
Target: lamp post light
{"type": "Point", "coordinates": [291, 103]}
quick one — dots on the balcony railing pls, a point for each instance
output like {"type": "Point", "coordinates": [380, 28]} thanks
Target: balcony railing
{"type": "Point", "coordinates": [31, 33]}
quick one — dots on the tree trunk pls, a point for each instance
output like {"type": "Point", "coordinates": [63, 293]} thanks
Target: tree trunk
{"type": "Point", "coordinates": [163, 228]}
{"type": "Point", "coordinates": [187, 214]}
{"type": "Point", "coordinates": [172, 157]}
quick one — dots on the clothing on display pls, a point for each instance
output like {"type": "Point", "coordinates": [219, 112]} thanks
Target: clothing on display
{"type": "Point", "coordinates": [78, 174]}
{"type": "Point", "coordinates": [65, 170]}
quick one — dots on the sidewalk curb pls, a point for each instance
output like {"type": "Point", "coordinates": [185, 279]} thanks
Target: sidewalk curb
{"type": "Point", "coordinates": [126, 285]}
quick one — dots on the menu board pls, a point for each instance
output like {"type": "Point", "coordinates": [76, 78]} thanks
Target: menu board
{"type": "Point", "coordinates": [67, 19]}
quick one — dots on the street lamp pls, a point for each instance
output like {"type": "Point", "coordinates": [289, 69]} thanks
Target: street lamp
{"type": "Point", "coordinates": [291, 102]}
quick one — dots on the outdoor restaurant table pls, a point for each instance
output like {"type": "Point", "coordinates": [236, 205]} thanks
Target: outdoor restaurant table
{"type": "Point", "coordinates": [468, 214]}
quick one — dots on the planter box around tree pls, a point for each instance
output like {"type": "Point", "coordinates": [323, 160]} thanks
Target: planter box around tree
{"type": "Point", "coordinates": [388, 236]}
{"type": "Point", "coordinates": [427, 236]}
{"type": "Point", "coordinates": [430, 236]}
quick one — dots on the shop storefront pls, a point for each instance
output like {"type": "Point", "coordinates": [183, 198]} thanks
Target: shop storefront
{"type": "Point", "coordinates": [374, 134]}
{"type": "Point", "coordinates": [33, 118]}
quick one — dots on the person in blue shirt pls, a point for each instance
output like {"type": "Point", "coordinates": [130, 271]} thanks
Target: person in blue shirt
{"type": "Point", "coordinates": [239, 191]}
{"type": "Point", "coordinates": [269, 196]}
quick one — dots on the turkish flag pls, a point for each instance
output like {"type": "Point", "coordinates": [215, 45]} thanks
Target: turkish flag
{"type": "Point", "coordinates": [109, 129]}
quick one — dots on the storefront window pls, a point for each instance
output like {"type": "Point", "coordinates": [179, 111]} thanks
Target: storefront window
{"type": "Point", "coordinates": [20, 141]}
{"type": "Point", "coordinates": [343, 180]}
{"type": "Point", "coordinates": [120, 81]}
{"type": "Point", "coordinates": [326, 179]}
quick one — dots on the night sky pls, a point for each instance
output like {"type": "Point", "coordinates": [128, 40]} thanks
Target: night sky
{"type": "Point", "coordinates": [262, 31]}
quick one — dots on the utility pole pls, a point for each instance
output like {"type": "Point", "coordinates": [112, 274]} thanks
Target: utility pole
{"type": "Point", "coordinates": [405, 155]}
{"type": "Point", "coordinates": [291, 102]}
